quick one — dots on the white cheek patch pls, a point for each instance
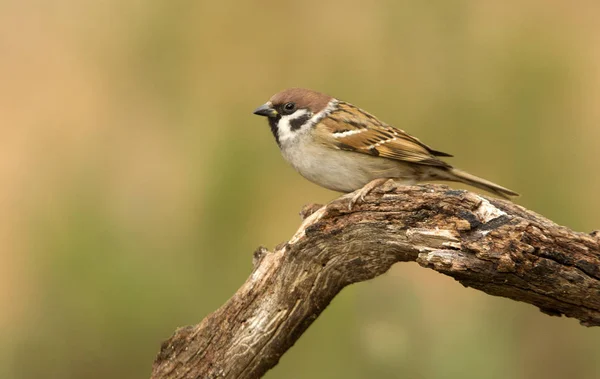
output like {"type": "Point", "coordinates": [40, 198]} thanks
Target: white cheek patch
{"type": "Point", "coordinates": [286, 131]}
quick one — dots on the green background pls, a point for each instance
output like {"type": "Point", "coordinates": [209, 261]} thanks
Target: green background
{"type": "Point", "coordinates": [135, 183]}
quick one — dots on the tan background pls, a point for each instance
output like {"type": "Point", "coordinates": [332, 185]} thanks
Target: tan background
{"type": "Point", "coordinates": [135, 182]}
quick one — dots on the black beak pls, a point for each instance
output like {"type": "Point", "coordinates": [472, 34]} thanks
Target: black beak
{"type": "Point", "coordinates": [266, 110]}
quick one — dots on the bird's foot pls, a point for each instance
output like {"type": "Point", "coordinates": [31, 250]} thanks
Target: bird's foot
{"type": "Point", "coordinates": [359, 197]}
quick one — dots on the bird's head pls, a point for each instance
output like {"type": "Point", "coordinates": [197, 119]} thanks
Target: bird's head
{"type": "Point", "coordinates": [292, 111]}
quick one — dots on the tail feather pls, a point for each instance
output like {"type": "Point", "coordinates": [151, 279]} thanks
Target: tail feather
{"type": "Point", "coordinates": [475, 181]}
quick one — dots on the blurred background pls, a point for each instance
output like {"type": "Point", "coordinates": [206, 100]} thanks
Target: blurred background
{"type": "Point", "coordinates": [135, 183]}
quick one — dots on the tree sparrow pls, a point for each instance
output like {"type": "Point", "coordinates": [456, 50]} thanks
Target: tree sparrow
{"type": "Point", "coordinates": [343, 148]}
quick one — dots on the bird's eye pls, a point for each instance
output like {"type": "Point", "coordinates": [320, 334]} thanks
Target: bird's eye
{"type": "Point", "coordinates": [289, 108]}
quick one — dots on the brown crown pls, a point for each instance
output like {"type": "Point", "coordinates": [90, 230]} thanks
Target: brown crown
{"type": "Point", "coordinates": [304, 99]}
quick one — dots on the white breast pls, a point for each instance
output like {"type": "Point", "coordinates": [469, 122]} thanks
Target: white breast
{"type": "Point", "coordinates": [339, 170]}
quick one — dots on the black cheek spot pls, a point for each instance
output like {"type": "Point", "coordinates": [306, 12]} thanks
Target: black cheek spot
{"type": "Point", "coordinates": [297, 123]}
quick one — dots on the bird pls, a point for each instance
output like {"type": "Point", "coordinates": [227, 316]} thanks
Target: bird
{"type": "Point", "coordinates": [341, 147]}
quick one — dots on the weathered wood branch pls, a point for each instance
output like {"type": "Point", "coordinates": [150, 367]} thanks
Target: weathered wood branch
{"type": "Point", "coordinates": [492, 245]}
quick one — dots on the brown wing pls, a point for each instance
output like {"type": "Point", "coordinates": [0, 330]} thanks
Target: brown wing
{"type": "Point", "coordinates": [351, 128]}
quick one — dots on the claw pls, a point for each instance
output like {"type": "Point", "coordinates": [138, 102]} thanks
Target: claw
{"type": "Point", "coordinates": [359, 197]}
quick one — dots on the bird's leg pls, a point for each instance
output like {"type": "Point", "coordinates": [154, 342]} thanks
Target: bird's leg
{"type": "Point", "coordinates": [359, 197]}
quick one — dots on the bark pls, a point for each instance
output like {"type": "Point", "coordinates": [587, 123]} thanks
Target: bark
{"type": "Point", "coordinates": [489, 244]}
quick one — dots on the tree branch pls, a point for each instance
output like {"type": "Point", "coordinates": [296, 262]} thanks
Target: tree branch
{"type": "Point", "coordinates": [489, 244]}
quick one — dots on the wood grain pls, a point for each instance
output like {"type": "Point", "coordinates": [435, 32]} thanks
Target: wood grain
{"type": "Point", "coordinates": [492, 245]}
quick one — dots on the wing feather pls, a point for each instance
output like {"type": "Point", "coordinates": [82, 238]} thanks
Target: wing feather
{"type": "Point", "coordinates": [351, 128]}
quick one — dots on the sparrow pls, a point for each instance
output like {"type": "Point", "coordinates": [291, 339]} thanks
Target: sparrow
{"type": "Point", "coordinates": [343, 148]}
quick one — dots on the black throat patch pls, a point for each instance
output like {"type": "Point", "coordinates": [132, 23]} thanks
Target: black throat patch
{"type": "Point", "coordinates": [273, 121]}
